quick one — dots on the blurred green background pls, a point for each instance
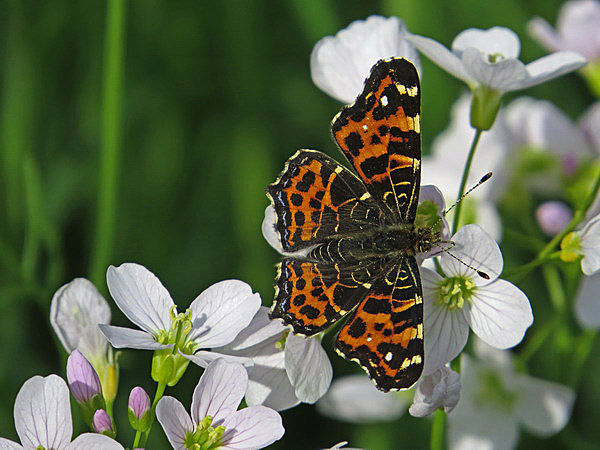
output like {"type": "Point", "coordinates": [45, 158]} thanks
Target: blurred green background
{"type": "Point", "coordinates": [215, 96]}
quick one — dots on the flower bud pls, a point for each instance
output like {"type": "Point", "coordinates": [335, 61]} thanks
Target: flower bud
{"type": "Point", "coordinates": [484, 107]}
{"type": "Point", "coordinates": [102, 423]}
{"type": "Point", "coordinates": [138, 410]}
{"type": "Point", "coordinates": [552, 217]}
{"type": "Point", "coordinates": [84, 382]}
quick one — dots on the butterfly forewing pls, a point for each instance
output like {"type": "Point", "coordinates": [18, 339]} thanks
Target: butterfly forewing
{"type": "Point", "coordinates": [380, 136]}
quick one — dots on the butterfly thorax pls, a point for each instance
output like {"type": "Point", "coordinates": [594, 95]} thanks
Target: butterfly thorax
{"type": "Point", "coordinates": [388, 241]}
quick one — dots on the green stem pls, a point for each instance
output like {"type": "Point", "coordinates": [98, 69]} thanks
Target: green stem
{"type": "Point", "coordinates": [583, 349]}
{"type": "Point", "coordinates": [555, 287]}
{"type": "Point", "coordinates": [160, 390]}
{"type": "Point", "coordinates": [465, 176]}
{"type": "Point", "coordinates": [111, 137]}
{"type": "Point", "coordinates": [136, 441]}
{"type": "Point", "coordinates": [438, 430]}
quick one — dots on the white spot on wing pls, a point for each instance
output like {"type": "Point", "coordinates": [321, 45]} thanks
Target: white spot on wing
{"type": "Point", "coordinates": [384, 100]}
{"type": "Point", "coordinates": [388, 356]}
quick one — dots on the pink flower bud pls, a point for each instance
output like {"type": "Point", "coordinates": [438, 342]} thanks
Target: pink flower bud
{"type": "Point", "coordinates": [83, 379]}
{"type": "Point", "coordinates": [102, 422]}
{"type": "Point", "coordinates": [139, 402]}
{"type": "Point", "coordinates": [553, 216]}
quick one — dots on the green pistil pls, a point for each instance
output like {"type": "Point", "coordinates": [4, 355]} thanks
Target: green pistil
{"type": "Point", "coordinates": [495, 57]}
{"type": "Point", "coordinates": [493, 391]}
{"type": "Point", "coordinates": [205, 437]}
{"type": "Point", "coordinates": [454, 291]}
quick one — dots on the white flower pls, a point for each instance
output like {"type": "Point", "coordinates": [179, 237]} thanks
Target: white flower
{"type": "Point", "coordinates": [342, 445]}
{"type": "Point", "coordinates": [339, 65]}
{"type": "Point", "coordinates": [354, 398]}
{"type": "Point", "coordinates": [587, 302]}
{"type": "Point", "coordinates": [217, 315]}
{"type": "Point", "coordinates": [214, 417]}
{"type": "Point", "coordinates": [496, 310]}
{"type": "Point", "coordinates": [282, 375]}
{"type": "Point", "coordinates": [577, 29]}
{"type": "Point", "coordinates": [489, 58]}
{"type": "Point", "coordinates": [438, 390]}
{"type": "Point", "coordinates": [495, 400]}
{"type": "Point", "coordinates": [75, 312]}
{"type": "Point", "coordinates": [585, 244]}
{"type": "Point", "coordinates": [43, 419]}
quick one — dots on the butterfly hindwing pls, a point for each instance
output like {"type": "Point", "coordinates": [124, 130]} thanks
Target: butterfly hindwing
{"type": "Point", "coordinates": [385, 333]}
{"type": "Point", "coordinates": [316, 198]}
{"type": "Point", "coordinates": [380, 136]}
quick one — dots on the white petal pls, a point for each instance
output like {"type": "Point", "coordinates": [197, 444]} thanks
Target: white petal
{"type": "Point", "coordinates": [174, 420]}
{"type": "Point", "coordinates": [441, 56]}
{"type": "Point", "coordinates": [587, 303]}
{"type": "Point", "coordinates": [355, 398]}
{"type": "Point", "coordinates": [541, 31]}
{"type": "Point", "coordinates": [590, 125]}
{"type": "Point", "coordinates": [478, 425]}
{"type": "Point", "coordinates": [475, 248]}
{"type": "Point", "coordinates": [268, 382]}
{"type": "Point", "coordinates": [268, 229]}
{"type": "Point", "coordinates": [219, 391]}
{"type": "Point", "coordinates": [544, 407]}
{"type": "Point", "coordinates": [340, 64]}
{"type": "Point", "coordinates": [578, 25]}
{"type": "Point", "coordinates": [502, 75]}
{"type": "Point", "coordinates": [120, 337]}
{"type": "Point", "coordinates": [495, 41]}
{"type": "Point", "coordinates": [76, 309]}
{"type": "Point", "coordinates": [499, 314]}
{"type": "Point", "coordinates": [252, 427]}
{"type": "Point", "coordinates": [308, 367]}
{"type": "Point", "coordinates": [141, 296]}
{"type": "Point", "coordinates": [5, 444]}
{"type": "Point", "coordinates": [203, 358]}
{"type": "Point", "coordinates": [43, 413]}
{"type": "Point", "coordinates": [438, 390]}
{"type": "Point", "coordinates": [590, 244]}
{"type": "Point", "coordinates": [260, 329]}
{"type": "Point", "coordinates": [445, 332]}
{"type": "Point", "coordinates": [94, 441]}
{"type": "Point", "coordinates": [221, 312]}
{"type": "Point", "coordinates": [492, 356]}
{"type": "Point", "coordinates": [552, 66]}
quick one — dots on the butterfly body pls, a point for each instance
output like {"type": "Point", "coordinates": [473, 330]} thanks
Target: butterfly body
{"type": "Point", "coordinates": [351, 239]}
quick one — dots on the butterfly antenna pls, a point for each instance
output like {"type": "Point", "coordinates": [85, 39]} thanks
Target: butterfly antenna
{"type": "Point", "coordinates": [446, 250]}
{"type": "Point", "coordinates": [483, 179]}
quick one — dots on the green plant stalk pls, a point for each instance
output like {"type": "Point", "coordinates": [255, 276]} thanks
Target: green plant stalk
{"type": "Point", "coordinates": [583, 349]}
{"type": "Point", "coordinates": [160, 390]}
{"type": "Point", "coordinates": [438, 430]}
{"type": "Point", "coordinates": [136, 440]}
{"type": "Point", "coordinates": [111, 139]}
{"type": "Point", "coordinates": [465, 176]}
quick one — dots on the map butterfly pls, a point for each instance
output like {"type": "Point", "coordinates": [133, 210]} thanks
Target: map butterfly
{"type": "Point", "coordinates": [351, 240]}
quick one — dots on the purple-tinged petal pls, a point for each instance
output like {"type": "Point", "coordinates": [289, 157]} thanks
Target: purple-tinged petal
{"type": "Point", "coordinates": [553, 216]}
{"type": "Point", "coordinates": [84, 382]}
{"type": "Point", "coordinates": [252, 427]}
{"type": "Point", "coordinates": [221, 312]}
{"type": "Point", "coordinates": [139, 402]}
{"type": "Point", "coordinates": [141, 296]}
{"type": "Point", "coordinates": [174, 420]}
{"type": "Point", "coordinates": [43, 413]}
{"type": "Point", "coordinates": [120, 337]}
{"type": "Point", "coordinates": [102, 421]}
{"type": "Point", "coordinates": [308, 367]}
{"type": "Point", "coordinates": [541, 31]}
{"type": "Point", "coordinates": [219, 391]}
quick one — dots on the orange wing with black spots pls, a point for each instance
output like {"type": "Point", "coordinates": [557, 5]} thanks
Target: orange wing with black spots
{"type": "Point", "coordinates": [380, 136]}
{"type": "Point", "coordinates": [315, 199]}
{"type": "Point", "coordinates": [312, 296]}
{"type": "Point", "coordinates": [385, 333]}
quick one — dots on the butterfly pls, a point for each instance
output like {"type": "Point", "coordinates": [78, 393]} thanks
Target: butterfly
{"type": "Point", "coordinates": [351, 239]}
